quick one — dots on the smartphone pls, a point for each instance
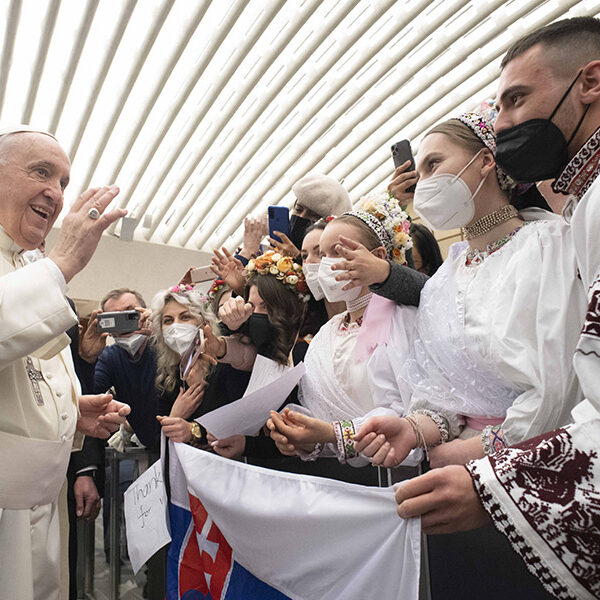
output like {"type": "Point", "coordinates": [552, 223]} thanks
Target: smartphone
{"type": "Point", "coordinates": [191, 355]}
{"type": "Point", "coordinates": [202, 274]}
{"type": "Point", "coordinates": [126, 321]}
{"type": "Point", "coordinates": [401, 152]}
{"type": "Point", "coordinates": [279, 220]}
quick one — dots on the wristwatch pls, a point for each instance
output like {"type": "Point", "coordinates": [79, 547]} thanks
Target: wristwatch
{"type": "Point", "coordinates": [198, 434]}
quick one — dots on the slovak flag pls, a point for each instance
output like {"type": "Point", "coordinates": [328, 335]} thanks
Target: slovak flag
{"type": "Point", "coordinates": [241, 532]}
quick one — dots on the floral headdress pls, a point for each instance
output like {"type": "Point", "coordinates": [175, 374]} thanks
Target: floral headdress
{"type": "Point", "coordinates": [181, 288]}
{"type": "Point", "coordinates": [389, 222]}
{"type": "Point", "coordinates": [282, 268]}
{"type": "Point", "coordinates": [215, 288]}
{"type": "Point", "coordinates": [484, 129]}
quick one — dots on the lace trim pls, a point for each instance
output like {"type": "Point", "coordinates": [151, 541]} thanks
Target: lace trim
{"type": "Point", "coordinates": [476, 257]}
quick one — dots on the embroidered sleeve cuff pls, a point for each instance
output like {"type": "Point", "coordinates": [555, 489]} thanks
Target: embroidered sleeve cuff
{"type": "Point", "coordinates": [344, 437]}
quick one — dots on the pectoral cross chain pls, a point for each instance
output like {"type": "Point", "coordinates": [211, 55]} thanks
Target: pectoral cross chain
{"type": "Point", "coordinates": [35, 377]}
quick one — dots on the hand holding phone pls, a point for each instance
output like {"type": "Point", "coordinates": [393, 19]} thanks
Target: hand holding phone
{"type": "Point", "coordinates": [125, 321]}
{"type": "Point", "coordinates": [279, 220]}
{"type": "Point", "coordinates": [402, 152]}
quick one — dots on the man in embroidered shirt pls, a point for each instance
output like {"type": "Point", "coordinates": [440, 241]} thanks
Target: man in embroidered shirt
{"type": "Point", "coordinates": [544, 494]}
{"type": "Point", "coordinates": [40, 402]}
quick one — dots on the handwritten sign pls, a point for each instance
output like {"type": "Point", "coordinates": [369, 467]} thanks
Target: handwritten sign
{"type": "Point", "coordinates": [146, 516]}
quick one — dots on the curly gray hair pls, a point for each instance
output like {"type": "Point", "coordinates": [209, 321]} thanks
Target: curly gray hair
{"type": "Point", "coordinates": [168, 360]}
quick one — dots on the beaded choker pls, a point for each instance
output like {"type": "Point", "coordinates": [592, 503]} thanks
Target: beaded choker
{"type": "Point", "coordinates": [488, 222]}
{"type": "Point", "coordinates": [360, 302]}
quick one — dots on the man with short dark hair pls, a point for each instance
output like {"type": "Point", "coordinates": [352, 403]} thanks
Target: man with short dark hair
{"type": "Point", "coordinates": [544, 494]}
{"type": "Point", "coordinates": [128, 366]}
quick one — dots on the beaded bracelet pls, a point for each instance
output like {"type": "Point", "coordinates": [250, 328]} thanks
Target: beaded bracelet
{"type": "Point", "coordinates": [420, 437]}
{"type": "Point", "coordinates": [442, 423]}
{"type": "Point", "coordinates": [492, 439]}
{"type": "Point", "coordinates": [344, 437]}
{"type": "Point", "coordinates": [312, 455]}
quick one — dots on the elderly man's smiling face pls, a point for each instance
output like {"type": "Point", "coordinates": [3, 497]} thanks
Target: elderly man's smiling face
{"type": "Point", "coordinates": [34, 171]}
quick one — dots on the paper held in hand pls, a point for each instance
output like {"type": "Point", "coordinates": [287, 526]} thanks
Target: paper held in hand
{"type": "Point", "coordinates": [269, 386]}
{"type": "Point", "coordinates": [146, 516]}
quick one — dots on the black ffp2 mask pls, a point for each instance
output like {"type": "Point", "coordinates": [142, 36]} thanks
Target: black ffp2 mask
{"type": "Point", "coordinates": [535, 149]}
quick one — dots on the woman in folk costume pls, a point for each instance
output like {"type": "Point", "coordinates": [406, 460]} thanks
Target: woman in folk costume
{"type": "Point", "coordinates": [497, 324]}
{"type": "Point", "coordinates": [353, 361]}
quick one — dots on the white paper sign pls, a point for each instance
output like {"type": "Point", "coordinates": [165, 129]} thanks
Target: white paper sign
{"type": "Point", "coordinates": [146, 516]}
{"type": "Point", "coordinates": [264, 372]}
{"type": "Point", "coordinates": [248, 414]}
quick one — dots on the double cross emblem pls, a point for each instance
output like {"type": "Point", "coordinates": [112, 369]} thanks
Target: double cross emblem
{"type": "Point", "coordinates": [35, 377]}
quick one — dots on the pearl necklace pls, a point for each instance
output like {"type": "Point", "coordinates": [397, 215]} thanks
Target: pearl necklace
{"type": "Point", "coordinates": [360, 302]}
{"type": "Point", "coordinates": [488, 222]}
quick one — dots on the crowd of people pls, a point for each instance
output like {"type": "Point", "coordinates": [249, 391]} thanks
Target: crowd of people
{"type": "Point", "coordinates": [483, 368]}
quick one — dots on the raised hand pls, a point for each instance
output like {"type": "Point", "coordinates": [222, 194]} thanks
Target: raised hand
{"type": "Point", "coordinates": [255, 229]}
{"type": "Point", "coordinates": [188, 401]}
{"type": "Point", "coordinates": [229, 269]}
{"type": "Point", "coordinates": [286, 246]}
{"type": "Point", "coordinates": [401, 181]}
{"type": "Point", "coordinates": [235, 312]}
{"type": "Point", "coordinates": [91, 341]}
{"type": "Point", "coordinates": [82, 228]}
{"type": "Point", "coordinates": [361, 267]}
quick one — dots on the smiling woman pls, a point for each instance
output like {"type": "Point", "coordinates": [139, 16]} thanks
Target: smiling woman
{"type": "Point", "coordinates": [35, 170]}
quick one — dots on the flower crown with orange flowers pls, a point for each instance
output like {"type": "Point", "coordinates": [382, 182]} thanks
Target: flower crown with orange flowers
{"type": "Point", "coordinates": [389, 222]}
{"type": "Point", "coordinates": [283, 268]}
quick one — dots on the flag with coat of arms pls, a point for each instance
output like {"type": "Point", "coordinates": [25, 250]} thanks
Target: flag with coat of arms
{"type": "Point", "coordinates": [241, 532]}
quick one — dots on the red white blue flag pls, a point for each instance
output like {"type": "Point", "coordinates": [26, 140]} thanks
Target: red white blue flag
{"type": "Point", "coordinates": [242, 532]}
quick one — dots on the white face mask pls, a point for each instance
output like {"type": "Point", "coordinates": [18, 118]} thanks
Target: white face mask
{"type": "Point", "coordinates": [445, 201]}
{"type": "Point", "coordinates": [179, 336]}
{"type": "Point", "coordinates": [131, 343]}
{"type": "Point", "coordinates": [332, 288]}
{"type": "Point", "coordinates": [311, 274]}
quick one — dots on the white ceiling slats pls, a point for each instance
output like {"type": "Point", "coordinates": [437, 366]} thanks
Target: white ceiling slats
{"type": "Point", "coordinates": [203, 111]}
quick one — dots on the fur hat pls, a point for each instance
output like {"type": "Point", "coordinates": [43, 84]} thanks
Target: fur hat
{"type": "Point", "coordinates": [322, 194]}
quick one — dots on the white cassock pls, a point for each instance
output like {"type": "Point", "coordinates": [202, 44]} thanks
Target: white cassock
{"type": "Point", "coordinates": [38, 417]}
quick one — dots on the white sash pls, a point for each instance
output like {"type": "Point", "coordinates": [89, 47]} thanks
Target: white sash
{"type": "Point", "coordinates": [33, 470]}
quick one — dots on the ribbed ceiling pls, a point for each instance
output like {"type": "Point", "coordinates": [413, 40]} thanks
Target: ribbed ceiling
{"type": "Point", "coordinates": [205, 111]}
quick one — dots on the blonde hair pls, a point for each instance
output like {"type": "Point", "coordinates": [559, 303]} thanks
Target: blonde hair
{"type": "Point", "coordinates": [167, 363]}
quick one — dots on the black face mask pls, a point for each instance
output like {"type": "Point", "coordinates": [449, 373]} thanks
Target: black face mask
{"type": "Point", "coordinates": [298, 227]}
{"type": "Point", "coordinates": [261, 333]}
{"type": "Point", "coordinates": [535, 149]}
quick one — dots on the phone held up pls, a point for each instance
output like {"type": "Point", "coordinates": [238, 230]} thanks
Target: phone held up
{"type": "Point", "coordinates": [401, 152]}
{"type": "Point", "coordinates": [279, 220]}
{"type": "Point", "coordinates": [126, 321]}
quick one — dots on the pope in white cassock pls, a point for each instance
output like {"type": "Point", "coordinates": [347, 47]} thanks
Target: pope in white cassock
{"type": "Point", "coordinates": [42, 415]}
